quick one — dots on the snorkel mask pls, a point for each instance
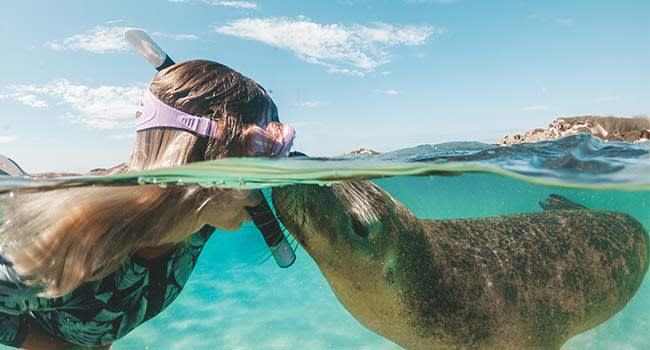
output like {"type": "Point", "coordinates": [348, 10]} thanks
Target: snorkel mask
{"type": "Point", "coordinates": [274, 139]}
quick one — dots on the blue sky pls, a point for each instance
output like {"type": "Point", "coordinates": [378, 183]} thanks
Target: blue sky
{"type": "Point", "coordinates": [348, 73]}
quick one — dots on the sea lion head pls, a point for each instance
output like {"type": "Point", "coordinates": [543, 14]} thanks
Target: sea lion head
{"type": "Point", "coordinates": [334, 222]}
{"type": "Point", "coordinates": [358, 235]}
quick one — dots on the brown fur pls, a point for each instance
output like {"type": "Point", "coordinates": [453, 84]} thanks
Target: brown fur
{"type": "Point", "coordinates": [515, 282]}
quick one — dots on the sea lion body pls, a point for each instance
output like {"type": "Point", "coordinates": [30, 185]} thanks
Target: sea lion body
{"type": "Point", "coordinates": [521, 282]}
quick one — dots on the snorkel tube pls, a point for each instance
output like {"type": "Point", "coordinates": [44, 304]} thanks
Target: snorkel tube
{"type": "Point", "coordinates": [262, 215]}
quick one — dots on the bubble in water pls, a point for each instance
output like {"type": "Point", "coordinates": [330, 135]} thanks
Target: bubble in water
{"type": "Point", "coordinates": [206, 184]}
{"type": "Point", "coordinates": [141, 180]}
{"type": "Point", "coordinates": [180, 182]}
{"type": "Point", "coordinates": [11, 195]}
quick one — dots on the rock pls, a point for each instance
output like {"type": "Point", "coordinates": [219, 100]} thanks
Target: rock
{"type": "Point", "coordinates": [606, 128]}
{"type": "Point", "coordinates": [120, 168]}
{"type": "Point", "coordinates": [362, 150]}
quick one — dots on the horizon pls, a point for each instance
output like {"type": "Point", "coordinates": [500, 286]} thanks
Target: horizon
{"type": "Point", "coordinates": [347, 74]}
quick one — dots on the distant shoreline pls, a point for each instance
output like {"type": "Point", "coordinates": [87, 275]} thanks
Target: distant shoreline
{"type": "Point", "coordinates": [635, 129]}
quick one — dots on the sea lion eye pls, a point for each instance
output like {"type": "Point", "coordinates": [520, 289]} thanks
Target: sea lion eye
{"type": "Point", "coordinates": [360, 229]}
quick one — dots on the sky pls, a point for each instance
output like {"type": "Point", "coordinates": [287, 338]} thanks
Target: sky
{"type": "Point", "coordinates": [383, 74]}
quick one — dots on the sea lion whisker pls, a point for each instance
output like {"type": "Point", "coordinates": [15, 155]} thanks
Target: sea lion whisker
{"type": "Point", "coordinates": [266, 257]}
{"type": "Point", "coordinates": [270, 222]}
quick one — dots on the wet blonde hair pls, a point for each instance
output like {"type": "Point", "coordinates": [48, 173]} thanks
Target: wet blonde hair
{"type": "Point", "coordinates": [61, 238]}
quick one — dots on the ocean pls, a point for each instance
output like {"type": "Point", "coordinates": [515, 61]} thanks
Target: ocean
{"type": "Point", "coordinates": [238, 298]}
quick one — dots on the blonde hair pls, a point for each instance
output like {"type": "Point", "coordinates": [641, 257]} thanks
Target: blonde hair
{"type": "Point", "coordinates": [61, 238]}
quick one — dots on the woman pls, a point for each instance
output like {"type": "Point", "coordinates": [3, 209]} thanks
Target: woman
{"type": "Point", "coordinates": [85, 266]}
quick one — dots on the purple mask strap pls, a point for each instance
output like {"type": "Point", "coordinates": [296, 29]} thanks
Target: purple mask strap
{"type": "Point", "coordinates": [153, 113]}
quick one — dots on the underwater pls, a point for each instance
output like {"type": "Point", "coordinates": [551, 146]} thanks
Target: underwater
{"type": "Point", "coordinates": [238, 298]}
{"type": "Point", "coordinates": [344, 175]}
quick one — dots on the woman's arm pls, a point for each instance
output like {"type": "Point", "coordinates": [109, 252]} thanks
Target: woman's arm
{"type": "Point", "coordinates": [21, 331]}
{"type": "Point", "coordinates": [226, 209]}
{"type": "Point", "coordinates": [38, 339]}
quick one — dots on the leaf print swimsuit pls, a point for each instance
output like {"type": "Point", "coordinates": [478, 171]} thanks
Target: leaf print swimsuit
{"type": "Point", "coordinates": [102, 311]}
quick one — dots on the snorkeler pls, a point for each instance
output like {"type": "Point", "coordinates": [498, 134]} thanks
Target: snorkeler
{"type": "Point", "coordinates": [85, 266]}
{"type": "Point", "coordinates": [262, 214]}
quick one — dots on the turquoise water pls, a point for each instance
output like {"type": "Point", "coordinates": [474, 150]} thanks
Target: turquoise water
{"type": "Point", "coordinates": [237, 298]}
{"type": "Point", "coordinates": [234, 301]}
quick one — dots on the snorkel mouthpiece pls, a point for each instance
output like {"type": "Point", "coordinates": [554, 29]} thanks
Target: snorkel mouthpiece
{"type": "Point", "coordinates": [267, 223]}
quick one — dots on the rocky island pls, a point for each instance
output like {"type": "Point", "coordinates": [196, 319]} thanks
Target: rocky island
{"type": "Point", "coordinates": [635, 129]}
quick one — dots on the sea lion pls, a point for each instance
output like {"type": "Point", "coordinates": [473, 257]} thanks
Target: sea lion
{"type": "Point", "coordinates": [521, 282]}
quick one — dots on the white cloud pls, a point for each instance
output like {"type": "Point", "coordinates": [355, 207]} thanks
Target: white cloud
{"type": "Point", "coordinates": [26, 99]}
{"type": "Point", "coordinates": [179, 37]}
{"type": "Point", "coordinates": [8, 138]}
{"type": "Point", "coordinates": [122, 136]}
{"type": "Point", "coordinates": [536, 108]}
{"type": "Point", "coordinates": [344, 71]}
{"type": "Point", "coordinates": [308, 104]}
{"type": "Point", "coordinates": [236, 4]}
{"type": "Point", "coordinates": [100, 39]}
{"type": "Point", "coordinates": [105, 39]}
{"type": "Point", "coordinates": [101, 107]}
{"type": "Point", "coordinates": [391, 92]}
{"type": "Point", "coordinates": [354, 49]}
{"type": "Point", "coordinates": [247, 5]}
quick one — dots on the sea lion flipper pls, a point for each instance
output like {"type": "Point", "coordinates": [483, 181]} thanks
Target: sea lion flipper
{"type": "Point", "coordinates": [557, 202]}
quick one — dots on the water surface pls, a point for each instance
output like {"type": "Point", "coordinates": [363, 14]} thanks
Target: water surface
{"type": "Point", "coordinates": [237, 298]}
